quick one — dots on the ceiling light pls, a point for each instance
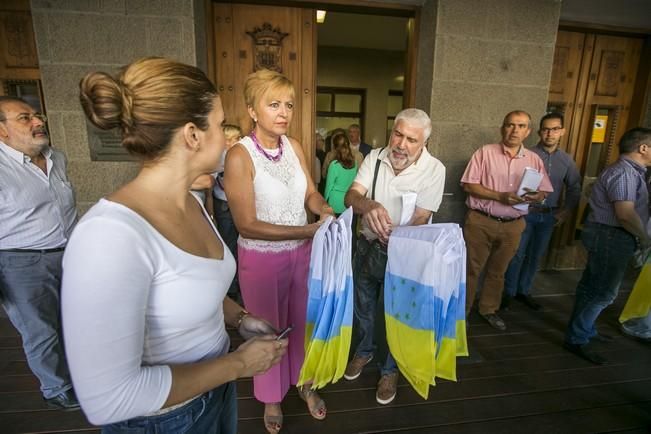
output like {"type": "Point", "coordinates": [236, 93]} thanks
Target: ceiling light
{"type": "Point", "coordinates": [320, 16]}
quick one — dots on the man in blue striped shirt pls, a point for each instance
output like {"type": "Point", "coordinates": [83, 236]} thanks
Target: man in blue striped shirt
{"type": "Point", "coordinates": [37, 213]}
{"type": "Point", "coordinates": [615, 229]}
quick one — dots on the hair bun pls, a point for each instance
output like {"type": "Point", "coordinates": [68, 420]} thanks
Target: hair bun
{"type": "Point", "coordinates": [101, 97]}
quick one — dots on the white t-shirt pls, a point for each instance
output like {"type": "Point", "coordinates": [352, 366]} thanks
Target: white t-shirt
{"type": "Point", "coordinates": [132, 304]}
{"type": "Point", "coordinates": [425, 177]}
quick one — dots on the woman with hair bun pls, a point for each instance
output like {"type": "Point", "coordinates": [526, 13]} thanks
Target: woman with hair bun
{"type": "Point", "coordinates": [146, 273]}
{"type": "Point", "coordinates": [269, 189]}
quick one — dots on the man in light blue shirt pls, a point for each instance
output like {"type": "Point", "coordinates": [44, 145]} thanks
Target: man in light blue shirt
{"type": "Point", "coordinates": [37, 211]}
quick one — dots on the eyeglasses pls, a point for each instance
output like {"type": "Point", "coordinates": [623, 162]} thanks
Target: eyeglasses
{"type": "Point", "coordinates": [25, 118]}
{"type": "Point", "coordinates": [550, 130]}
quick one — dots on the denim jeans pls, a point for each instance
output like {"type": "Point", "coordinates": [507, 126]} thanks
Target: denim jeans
{"type": "Point", "coordinates": [533, 243]}
{"type": "Point", "coordinates": [609, 251]}
{"type": "Point", "coordinates": [30, 285]}
{"type": "Point", "coordinates": [214, 412]}
{"type": "Point", "coordinates": [369, 265]}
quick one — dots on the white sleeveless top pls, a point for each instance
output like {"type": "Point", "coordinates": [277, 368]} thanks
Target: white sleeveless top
{"type": "Point", "coordinates": [279, 189]}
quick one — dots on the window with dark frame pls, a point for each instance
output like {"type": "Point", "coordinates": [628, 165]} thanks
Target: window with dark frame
{"type": "Point", "coordinates": [338, 107]}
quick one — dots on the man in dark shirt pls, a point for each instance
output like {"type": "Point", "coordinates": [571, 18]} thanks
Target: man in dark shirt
{"type": "Point", "coordinates": [615, 229]}
{"type": "Point", "coordinates": [543, 217]}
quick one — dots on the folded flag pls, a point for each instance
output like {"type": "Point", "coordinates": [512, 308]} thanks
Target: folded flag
{"type": "Point", "coordinates": [424, 302]}
{"type": "Point", "coordinates": [330, 303]}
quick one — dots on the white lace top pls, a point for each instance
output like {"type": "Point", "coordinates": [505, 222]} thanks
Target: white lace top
{"type": "Point", "coordinates": [279, 194]}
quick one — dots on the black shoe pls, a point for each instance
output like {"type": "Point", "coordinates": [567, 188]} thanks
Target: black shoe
{"type": "Point", "coordinates": [495, 321]}
{"type": "Point", "coordinates": [528, 301]}
{"type": "Point", "coordinates": [506, 302]}
{"type": "Point", "coordinates": [599, 337]}
{"type": "Point", "coordinates": [584, 353]}
{"type": "Point", "coordinates": [66, 401]}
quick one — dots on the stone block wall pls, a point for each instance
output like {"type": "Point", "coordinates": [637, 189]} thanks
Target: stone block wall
{"type": "Point", "coordinates": [74, 37]}
{"type": "Point", "coordinates": [478, 60]}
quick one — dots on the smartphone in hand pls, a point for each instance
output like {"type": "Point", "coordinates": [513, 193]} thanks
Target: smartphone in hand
{"type": "Point", "coordinates": [283, 334]}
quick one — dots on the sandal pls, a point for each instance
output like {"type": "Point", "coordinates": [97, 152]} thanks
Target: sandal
{"type": "Point", "coordinates": [317, 411]}
{"type": "Point", "coordinates": [273, 424]}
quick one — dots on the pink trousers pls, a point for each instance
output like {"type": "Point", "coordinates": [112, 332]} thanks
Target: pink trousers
{"type": "Point", "coordinates": [274, 287]}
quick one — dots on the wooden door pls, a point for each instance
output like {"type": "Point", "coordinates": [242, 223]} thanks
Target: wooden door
{"type": "Point", "coordinates": [592, 83]}
{"type": "Point", "coordinates": [236, 27]}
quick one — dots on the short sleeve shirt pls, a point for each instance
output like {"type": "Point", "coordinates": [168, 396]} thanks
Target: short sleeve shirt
{"type": "Point", "coordinates": [621, 181]}
{"type": "Point", "coordinates": [425, 177]}
{"type": "Point", "coordinates": [494, 168]}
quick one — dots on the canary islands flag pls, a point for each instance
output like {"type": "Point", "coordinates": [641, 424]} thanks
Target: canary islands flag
{"type": "Point", "coordinates": [424, 302]}
{"type": "Point", "coordinates": [330, 303]}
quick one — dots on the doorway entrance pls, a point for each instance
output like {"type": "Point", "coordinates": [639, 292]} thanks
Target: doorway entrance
{"type": "Point", "coordinates": [246, 37]}
{"type": "Point", "coordinates": [592, 84]}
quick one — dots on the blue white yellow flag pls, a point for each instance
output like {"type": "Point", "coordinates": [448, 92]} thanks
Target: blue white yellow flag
{"type": "Point", "coordinates": [424, 302]}
{"type": "Point", "coordinates": [330, 303]}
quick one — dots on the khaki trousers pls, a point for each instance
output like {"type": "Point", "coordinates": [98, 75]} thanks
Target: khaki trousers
{"type": "Point", "coordinates": [491, 244]}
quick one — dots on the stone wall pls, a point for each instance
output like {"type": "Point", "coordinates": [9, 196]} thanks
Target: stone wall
{"type": "Point", "coordinates": [489, 57]}
{"type": "Point", "coordinates": [74, 37]}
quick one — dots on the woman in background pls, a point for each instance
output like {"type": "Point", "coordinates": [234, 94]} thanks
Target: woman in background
{"type": "Point", "coordinates": [341, 173]}
{"type": "Point", "coordinates": [146, 273]}
{"type": "Point", "coordinates": [268, 189]}
{"type": "Point", "coordinates": [223, 216]}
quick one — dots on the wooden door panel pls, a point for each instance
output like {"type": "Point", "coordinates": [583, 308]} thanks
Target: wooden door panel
{"type": "Point", "coordinates": [606, 69]}
{"type": "Point", "coordinates": [563, 86]}
{"type": "Point", "coordinates": [225, 59]}
{"type": "Point", "coordinates": [610, 86]}
{"type": "Point", "coordinates": [234, 45]}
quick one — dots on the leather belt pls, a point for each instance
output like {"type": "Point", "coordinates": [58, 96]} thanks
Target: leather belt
{"type": "Point", "coordinates": [497, 218]}
{"type": "Point", "coordinates": [41, 251]}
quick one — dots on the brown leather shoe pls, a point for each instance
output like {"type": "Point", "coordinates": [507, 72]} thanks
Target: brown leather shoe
{"type": "Point", "coordinates": [355, 366]}
{"type": "Point", "coordinates": [387, 388]}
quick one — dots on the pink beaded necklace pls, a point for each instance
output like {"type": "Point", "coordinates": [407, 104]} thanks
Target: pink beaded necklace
{"type": "Point", "coordinates": [275, 158]}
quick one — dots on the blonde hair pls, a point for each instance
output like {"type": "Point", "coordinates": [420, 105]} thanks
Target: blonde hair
{"type": "Point", "coordinates": [148, 100]}
{"type": "Point", "coordinates": [263, 81]}
{"type": "Point", "coordinates": [232, 131]}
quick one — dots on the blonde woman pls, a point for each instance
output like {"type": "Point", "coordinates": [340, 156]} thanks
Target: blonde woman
{"type": "Point", "coordinates": [268, 189]}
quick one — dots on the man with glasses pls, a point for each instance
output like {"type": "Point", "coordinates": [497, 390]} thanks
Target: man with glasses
{"type": "Point", "coordinates": [544, 216]}
{"type": "Point", "coordinates": [37, 211]}
{"type": "Point", "coordinates": [615, 229]}
{"type": "Point", "coordinates": [493, 226]}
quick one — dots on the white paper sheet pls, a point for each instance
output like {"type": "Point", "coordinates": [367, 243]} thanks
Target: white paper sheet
{"type": "Point", "coordinates": [531, 180]}
{"type": "Point", "coordinates": [408, 207]}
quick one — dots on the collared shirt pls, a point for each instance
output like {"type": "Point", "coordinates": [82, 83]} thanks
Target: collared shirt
{"type": "Point", "coordinates": [425, 177]}
{"type": "Point", "coordinates": [37, 211]}
{"type": "Point", "coordinates": [493, 167]}
{"type": "Point", "coordinates": [621, 181]}
{"type": "Point", "coordinates": [562, 171]}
